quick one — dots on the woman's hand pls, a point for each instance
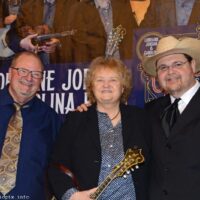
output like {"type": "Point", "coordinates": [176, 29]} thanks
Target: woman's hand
{"type": "Point", "coordinates": [83, 107]}
{"type": "Point", "coordinates": [84, 195]}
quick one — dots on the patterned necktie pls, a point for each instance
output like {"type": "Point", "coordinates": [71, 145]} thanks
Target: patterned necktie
{"type": "Point", "coordinates": [10, 152]}
{"type": "Point", "coordinates": [169, 117]}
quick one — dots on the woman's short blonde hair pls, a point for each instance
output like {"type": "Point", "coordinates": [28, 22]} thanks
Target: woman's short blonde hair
{"type": "Point", "coordinates": [115, 65]}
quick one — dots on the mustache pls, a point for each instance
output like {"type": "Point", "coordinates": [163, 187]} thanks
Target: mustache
{"type": "Point", "coordinates": [26, 82]}
{"type": "Point", "coordinates": [172, 77]}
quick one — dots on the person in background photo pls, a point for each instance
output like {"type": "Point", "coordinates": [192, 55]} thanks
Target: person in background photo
{"type": "Point", "coordinates": [28, 128]}
{"type": "Point", "coordinates": [91, 143]}
{"type": "Point", "coordinates": [172, 13]}
{"type": "Point", "coordinates": [45, 17]}
{"type": "Point", "coordinates": [94, 20]}
{"type": "Point", "coordinates": [8, 14]}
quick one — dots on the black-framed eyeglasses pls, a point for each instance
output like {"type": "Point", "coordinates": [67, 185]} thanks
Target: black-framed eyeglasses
{"type": "Point", "coordinates": [175, 65]}
{"type": "Point", "coordinates": [25, 72]}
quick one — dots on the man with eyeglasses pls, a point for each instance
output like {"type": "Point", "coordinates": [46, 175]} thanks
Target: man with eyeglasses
{"type": "Point", "coordinates": [175, 170]}
{"type": "Point", "coordinates": [39, 129]}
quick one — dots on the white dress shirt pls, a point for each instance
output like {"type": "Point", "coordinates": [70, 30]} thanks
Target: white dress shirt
{"type": "Point", "coordinates": [186, 97]}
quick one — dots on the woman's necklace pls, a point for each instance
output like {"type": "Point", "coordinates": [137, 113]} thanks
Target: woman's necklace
{"type": "Point", "coordinates": [115, 116]}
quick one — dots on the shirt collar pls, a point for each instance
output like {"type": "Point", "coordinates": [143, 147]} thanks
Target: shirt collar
{"type": "Point", "coordinates": [102, 4]}
{"type": "Point", "coordinates": [187, 96]}
{"type": "Point", "coordinates": [49, 1]}
{"type": "Point", "coordinates": [6, 98]}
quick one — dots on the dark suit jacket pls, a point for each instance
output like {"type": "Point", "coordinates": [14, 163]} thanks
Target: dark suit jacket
{"type": "Point", "coordinates": [3, 12]}
{"type": "Point", "coordinates": [90, 39]}
{"type": "Point", "coordinates": [32, 15]}
{"type": "Point", "coordinates": [163, 14]}
{"type": "Point", "coordinates": [78, 148]}
{"type": "Point", "coordinates": [175, 163]}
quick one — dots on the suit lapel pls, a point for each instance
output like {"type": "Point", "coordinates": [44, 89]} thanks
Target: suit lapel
{"type": "Point", "coordinates": [164, 103]}
{"type": "Point", "coordinates": [194, 18]}
{"type": "Point", "coordinates": [125, 124]}
{"type": "Point", "coordinates": [59, 15]}
{"type": "Point", "coordinates": [191, 112]}
{"type": "Point", "coordinates": [96, 18]}
{"type": "Point", "coordinates": [39, 7]}
{"type": "Point", "coordinates": [127, 119]}
{"type": "Point", "coordinates": [115, 12]}
{"type": "Point", "coordinates": [93, 128]}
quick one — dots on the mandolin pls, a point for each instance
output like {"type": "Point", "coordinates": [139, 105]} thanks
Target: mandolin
{"type": "Point", "coordinates": [115, 37]}
{"type": "Point", "coordinates": [132, 158]}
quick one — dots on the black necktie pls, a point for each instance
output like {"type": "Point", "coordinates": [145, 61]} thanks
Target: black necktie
{"type": "Point", "coordinates": [169, 117]}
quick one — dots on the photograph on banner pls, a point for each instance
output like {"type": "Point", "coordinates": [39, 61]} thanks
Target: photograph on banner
{"type": "Point", "coordinates": [146, 88]}
{"type": "Point", "coordinates": [63, 85]}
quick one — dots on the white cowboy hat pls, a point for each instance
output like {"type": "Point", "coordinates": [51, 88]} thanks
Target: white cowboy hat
{"type": "Point", "coordinates": [171, 45]}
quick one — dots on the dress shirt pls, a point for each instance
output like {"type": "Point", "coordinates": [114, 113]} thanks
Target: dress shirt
{"type": "Point", "coordinates": [40, 126]}
{"type": "Point", "coordinates": [48, 19]}
{"type": "Point", "coordinates": [186, 97]}
{"type": "Point", "coordinates": [49, 13]}
{"type": "Point", "coordinates": [112, 152]}
{"type": "Point", "coordinates": [183, 11]}
{"type": "Point", "coordinates": [13, 7]}
{"type": "Point", "coordinates": [106, 15]}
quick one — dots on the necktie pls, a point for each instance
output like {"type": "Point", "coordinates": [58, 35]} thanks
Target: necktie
{"type": "Point", "coordinates": [169, 117]}
{"type": "Point", "coordinates": [10, 152]}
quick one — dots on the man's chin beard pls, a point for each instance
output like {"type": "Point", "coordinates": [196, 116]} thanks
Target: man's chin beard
{"type": "Point", "coordinates": [173, 91]}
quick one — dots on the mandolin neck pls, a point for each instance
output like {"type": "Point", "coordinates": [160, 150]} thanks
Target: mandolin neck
{"type": "Point", "coordinates": [103, 186]}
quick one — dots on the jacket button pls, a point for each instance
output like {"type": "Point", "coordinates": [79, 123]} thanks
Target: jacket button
{"type": "Point", "coordinates": [165, 192]}
{"type": "Point", "coordinates": [166, 169]}
{"type": "Point", "coordinates": [168, 146]}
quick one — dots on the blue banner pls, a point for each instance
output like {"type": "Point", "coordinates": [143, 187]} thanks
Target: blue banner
{"type": "Point", "coordinates": [63, 84]}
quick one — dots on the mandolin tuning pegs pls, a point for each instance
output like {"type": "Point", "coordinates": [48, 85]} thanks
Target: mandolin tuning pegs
{"type": "Point", "coordinates": [135, 147]}
{"type": "Point", "coordinates": [128, 172]}
{"type": "Point", "coordinates": [137, 167]}
{"type": "Point", "coordinates": [132, 169]}
{"type": "Point", "coordinates": [124, 176]}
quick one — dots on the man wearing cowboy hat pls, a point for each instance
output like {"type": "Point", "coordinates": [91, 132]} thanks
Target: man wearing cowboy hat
{"type": "Point", "coordinates": [175, 166]}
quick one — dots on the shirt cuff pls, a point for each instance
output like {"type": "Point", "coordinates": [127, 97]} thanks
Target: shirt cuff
{"type": "Point", "coordinates": [69, 193]}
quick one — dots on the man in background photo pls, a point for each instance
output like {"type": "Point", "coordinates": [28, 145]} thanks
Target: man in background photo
{"type": "Point", "coordinates": [44, 17]}
{"type": "Point", "coordinates": [8, 37]}
{"type": "Point", "coordinates": [172, 13]}
{"type": "Point", "coordinates": [94, 21]}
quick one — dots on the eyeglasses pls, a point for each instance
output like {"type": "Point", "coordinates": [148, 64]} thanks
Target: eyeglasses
{"type": "Point", "coordinates": [25, 72]}
{"type": "Point", "coordinates": [175, 65]}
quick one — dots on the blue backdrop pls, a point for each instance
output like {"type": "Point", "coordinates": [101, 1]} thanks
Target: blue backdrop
{"type": "Point", "coordinates": [63, 84]}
